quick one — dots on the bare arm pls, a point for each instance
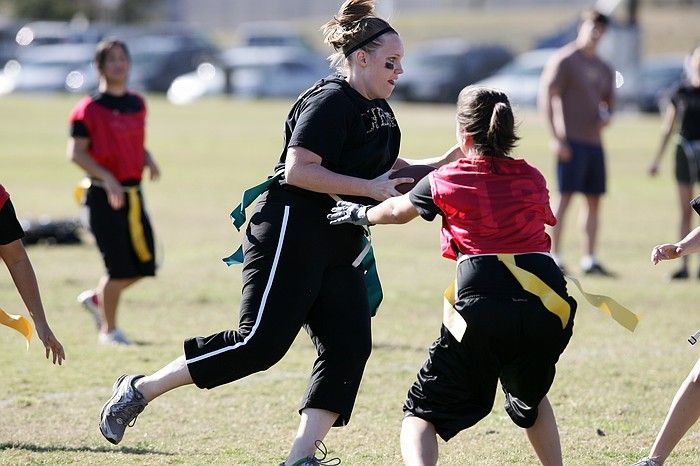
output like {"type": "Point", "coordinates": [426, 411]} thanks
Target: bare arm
{"type": "Point", "coordinates": [549, 104]}
{"type": "Point", "coordinates": [77, 152]}
{"type": "Point", "coordinates": [303, 169]}
{"type": "Point", "coordinates": [666, 131]}
{"type": "Point", "coordinates": [452, 154]}
{"type": "Point", "coordinates": [688, 245]}
{"type": "Point", "coordinates": [15, 257]}
{"type": "Point", "coordinates": [396, 210]}
{"type": "Point", "coordinates": [153, 167]}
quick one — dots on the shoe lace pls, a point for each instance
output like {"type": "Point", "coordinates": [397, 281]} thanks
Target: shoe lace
{"type": "Point", "coordinates": [320, 446]}
{"type": "Point", "coordinates": [127, 412]}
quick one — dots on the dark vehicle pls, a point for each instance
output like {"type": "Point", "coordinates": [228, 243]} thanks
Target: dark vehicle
{"type": "Point", "coordinates": [157, 59]}
{"type": "Point", "coordinates": [437, 71]}
{"type": "Point", "coordinates": [8, 44]}
{"type": "Point", "coordinates": [657, 78]}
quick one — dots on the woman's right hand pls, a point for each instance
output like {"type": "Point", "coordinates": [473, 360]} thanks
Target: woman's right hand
{"type": "Point", "coordinates": [563, 150]}
{"type": "Point", "coordinates": [115, 192]}
{"type": "Point", "coordinates": [653, 169]}
{"type": "Point", "coordinates": [383, 187]}
{"type": "Point", "coordinates": [664, 252]}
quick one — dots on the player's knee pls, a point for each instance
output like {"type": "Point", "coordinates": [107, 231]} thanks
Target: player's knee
{"type": "Point", "coordinates": [353, 355]}
{"type": "Point", "coordinates": [520, 412]}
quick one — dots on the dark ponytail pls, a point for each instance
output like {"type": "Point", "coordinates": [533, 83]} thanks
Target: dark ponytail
{"type": "Point", "coordinates": [487, 116]}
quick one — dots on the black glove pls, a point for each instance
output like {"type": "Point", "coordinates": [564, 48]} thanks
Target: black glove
{"type": "Point", "coordinates": [348, 212]}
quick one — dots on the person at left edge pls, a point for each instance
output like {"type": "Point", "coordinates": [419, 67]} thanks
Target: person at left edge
{"type": "Point", "coordinates": [15, 257]}
{"type": "Point", "coordinates": [341, 137]}
{"type": "Point", "coordinates": [107, 141]}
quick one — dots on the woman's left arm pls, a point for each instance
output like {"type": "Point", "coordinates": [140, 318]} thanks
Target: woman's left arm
{"type": "Point", "coordinates": [152, 166]}
{"type": "Point", "coordinates": [452, 154]}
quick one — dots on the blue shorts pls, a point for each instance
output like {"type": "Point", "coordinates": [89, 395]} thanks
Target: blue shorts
{"type": "Point", "coordinates": [585, 172]}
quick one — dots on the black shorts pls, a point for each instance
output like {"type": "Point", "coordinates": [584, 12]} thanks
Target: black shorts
{"type": "Point", "coordinates": [688, 162]}
{"type": "Point", "coordinates": [125, 242]}
{"type": "Point", "coordinates": [585, 172]}
{"type": "Point", "coordinates": [10, 229]}
{"type": "Point", "coordinates": [510, 337]}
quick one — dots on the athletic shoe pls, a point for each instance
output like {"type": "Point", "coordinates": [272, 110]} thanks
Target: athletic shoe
{"type": "Point", "coordinates": [597, 269]}
{"type": "Point", "coordinates": [88, 299]}
{"type": "Point", "coordinates": [122, 409]}
{"type": "Point", "coordinates": [313, 461]}
{"type": "Point", "coordinates": [646, 462]}
{"type": "Point", "coordinates": [680, 274]}
{"type": "Point", "coordinates": [115, 337]}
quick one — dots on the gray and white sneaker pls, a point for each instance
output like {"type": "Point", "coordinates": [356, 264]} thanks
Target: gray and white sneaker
{"type": "Point", "coordinates": [646, 462]}
{"type": "Point", "coordinates": [122, 409]}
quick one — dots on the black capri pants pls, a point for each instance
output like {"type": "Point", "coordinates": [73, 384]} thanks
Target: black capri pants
{"type": "Point", "coordinates": [510, 337]}
{"type": "Point", "coordinates": [297, 273]}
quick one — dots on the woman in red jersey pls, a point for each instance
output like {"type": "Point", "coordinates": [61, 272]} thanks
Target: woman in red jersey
{"type": "Point", "coordinates": [513, 316]}
{"type": "Point", "coordinates": [107, 141]}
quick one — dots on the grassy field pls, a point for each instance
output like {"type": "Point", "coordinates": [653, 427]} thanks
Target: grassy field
{"type": "Point", "coordinates": [612, 390]}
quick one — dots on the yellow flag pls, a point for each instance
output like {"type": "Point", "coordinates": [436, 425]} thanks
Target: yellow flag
{"type": "Point", "coordinates": [19, 323]}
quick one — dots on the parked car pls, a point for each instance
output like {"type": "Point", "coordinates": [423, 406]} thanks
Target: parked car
{"type": "Point", "coordinates": [45, 68]}
{"type": "Point", "coordinates": [270, 34]}
{"type": "Point", "coordinates": [8, 44]}
{"type": "Point", "coordinates": [520, 79]}
{"type": "Point", "coordinates": [253, 71]}
{"type": "Point", "coordinates": [37, 33]}
{"type": "Point", "coordinates": [157, 57]}
{"type": "Point", "coordinates": [437, 71]}
{"type": "Point", "coordinates": [658, 76]}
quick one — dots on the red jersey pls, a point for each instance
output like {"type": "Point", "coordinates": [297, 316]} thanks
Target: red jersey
{"type": "Point", "coordinates": [116, 137]}
{"type": "Point", "coordinates": [4, 196]}
{"type": "Point", "coordinates": [491, 205]}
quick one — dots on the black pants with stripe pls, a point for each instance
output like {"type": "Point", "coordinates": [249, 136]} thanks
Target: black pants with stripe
{"type": "Point", "coordinates": [297, 273]}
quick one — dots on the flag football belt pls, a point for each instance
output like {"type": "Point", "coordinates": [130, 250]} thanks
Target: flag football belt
{"type": "Point", "coordinates": [554, 303]}
{"type": "Point", "coordinates": [138, 238]}
{"type": "Point", "coordinates": [19, 323]}
{"type": "Point", "coordinates": [365, 260]}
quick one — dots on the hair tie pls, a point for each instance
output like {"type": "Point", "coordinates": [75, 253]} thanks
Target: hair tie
{"type": "Point", "coordinates": [368, 40]}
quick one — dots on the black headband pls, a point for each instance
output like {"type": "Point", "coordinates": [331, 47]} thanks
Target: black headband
{"type": "Point", "coordinates": [368, 40]}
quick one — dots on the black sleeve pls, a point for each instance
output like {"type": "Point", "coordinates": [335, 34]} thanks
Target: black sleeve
{"type": "Point", "coordinates": [322, 124]}
{"type": "Point", "coordinates": [421, 196]}
{"type": "Point", "coordinates": [695, 204]}
{"type": "Point", "coordinates": [79, 130]}
{"type": "Point", "coordinates": [10, 228]}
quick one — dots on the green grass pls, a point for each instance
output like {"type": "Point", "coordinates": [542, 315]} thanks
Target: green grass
{"type": "Point", "coordinates": [608, 379]}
